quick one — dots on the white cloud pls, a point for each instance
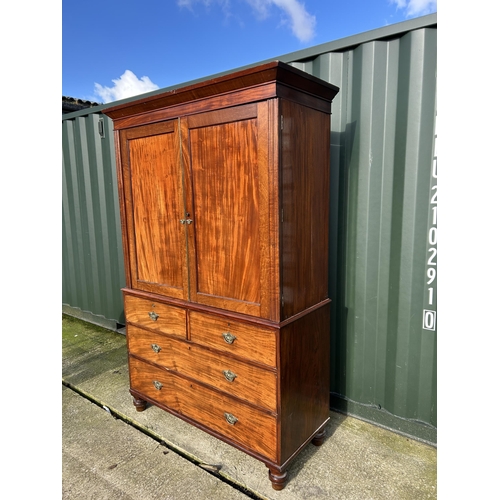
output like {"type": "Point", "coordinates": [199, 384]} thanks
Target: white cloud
{"type": "Point", "coordinates": [127, 85]}
{"type": "Point", "coordinates": [416, 7]}
{"type": "Point", "coordinates": [301, 22]}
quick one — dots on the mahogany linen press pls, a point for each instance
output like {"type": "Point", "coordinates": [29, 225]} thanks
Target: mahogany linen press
{"type": "Point", "coordinates": [224, 200]}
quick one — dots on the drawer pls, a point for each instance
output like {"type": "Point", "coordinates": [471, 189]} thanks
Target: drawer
{"type": "Point", "coordinates": [151, 314]}
{"type": "Point", "coordinates": [245, 426]}
{"type": "Point", "coordinates": [237, 378]}
{"type": "Point", "coordinates": [248, 341]}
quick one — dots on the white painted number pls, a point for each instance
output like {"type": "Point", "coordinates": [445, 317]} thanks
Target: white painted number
{"type": "Point", "coordinates": [429, 318]}
{"type": "Point", "coordinates": [432, 236]}
{"type": "Point", "coordinates": [433, 252]}
{"type": "Point", "coordinates": [431, 274]}
{"type": "Point", "coordinates": [434, 198]}
{"type": "Point", "coordinates": [434, 215]}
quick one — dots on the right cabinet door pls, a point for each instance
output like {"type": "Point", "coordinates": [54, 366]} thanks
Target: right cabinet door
{"type": "Point", "coordinates": [226, 155]}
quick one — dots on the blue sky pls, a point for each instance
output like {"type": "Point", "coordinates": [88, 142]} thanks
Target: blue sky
{"type": "Point", "coordinates": [114, 49]}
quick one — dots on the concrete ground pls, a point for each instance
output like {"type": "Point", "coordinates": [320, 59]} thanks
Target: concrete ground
{"type": "Point", "coordinates": [111, 451]}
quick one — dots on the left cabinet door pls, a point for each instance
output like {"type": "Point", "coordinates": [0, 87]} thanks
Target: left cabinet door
{"type": "Point", "coordinates": [154, 209]}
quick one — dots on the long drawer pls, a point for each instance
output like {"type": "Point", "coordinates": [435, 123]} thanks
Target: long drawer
{"type": "Point", "coordinates": [155, 315]}
{"type": "Point", "coordinates": [253, 384]}
{"type": "Point", "coordinates": [253, 429]}
{"type": "Point", "coordinates": [248, 341]}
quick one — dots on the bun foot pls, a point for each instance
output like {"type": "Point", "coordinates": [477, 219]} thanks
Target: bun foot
{"type": "Point", "coordinates": [140, 404]}
{"type": "Point", "coordinates": [319, 438]}
{"type": "Point", "coordinates": [278, 479]}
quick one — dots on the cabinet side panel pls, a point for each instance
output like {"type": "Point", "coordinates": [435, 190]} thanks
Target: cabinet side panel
{"type": "Point", "coordinates": [305, 150]}
{"type": "Point", "coordinates": [305, 379]}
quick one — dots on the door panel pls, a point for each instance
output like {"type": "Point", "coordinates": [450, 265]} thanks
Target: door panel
{"type": "Point", "coordinates": [228, 241]}
{"type": "Point", "coordinates": [155, 206]}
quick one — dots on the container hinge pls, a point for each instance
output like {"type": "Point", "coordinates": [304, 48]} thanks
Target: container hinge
{"type": "Point", "coordinates": [282, 122]}
{"type": "Point", "coordinates": [282, 301]}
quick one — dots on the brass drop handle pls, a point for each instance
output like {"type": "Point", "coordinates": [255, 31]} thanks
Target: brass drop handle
{"type": "Point", "coordinates": [228, 337]}
{"type": "Point", "coordinates": [157, 384]}
{"type": "Point", "coordinates": [156, 348]}
{"type": "Point", "coordinates": [153, 315]}
{"type": "Point", "coordinates": [231, 419]}
{"type": "Point", "coordinates": [229, 375]}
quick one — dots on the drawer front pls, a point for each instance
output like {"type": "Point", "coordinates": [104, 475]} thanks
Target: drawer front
{"type": "Point", "coordinates": [237, 422]}
{"type": "Point", "coordinates": [248, 341]}
{"type": "Point", "coordinates": [151, 314]}
{"type": "Point", "coordinates": [237, 378]}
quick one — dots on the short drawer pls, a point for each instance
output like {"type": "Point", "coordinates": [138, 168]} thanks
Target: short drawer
{"type": "Point", "coordinates": [237, 378]}
{"type": "Point", "coordinates": [239, 423]}
{"type": "Point", "coordinates": [151, 314]}
{"type": "Point", "coordinates": [248, 341]}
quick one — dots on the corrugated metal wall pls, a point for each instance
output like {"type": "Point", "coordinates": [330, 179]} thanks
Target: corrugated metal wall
{"type": "Point", "coordinates": [93, 272]}
{"type": "Point", "coordinates": [383, 244]}
{"type": "Point", "coordinates": [384, 360]}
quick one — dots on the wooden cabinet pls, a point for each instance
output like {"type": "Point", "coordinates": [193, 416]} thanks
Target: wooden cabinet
{"type": "Point", "coordinates": [224, 189]}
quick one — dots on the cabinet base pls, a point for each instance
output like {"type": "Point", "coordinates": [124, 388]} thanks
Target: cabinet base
{"type": "Point", "coordinates": [277, 478]}
{"type": "Point", "coordinates": [319, 438]}
{"type": "Point", "coordinates": [140, 404]}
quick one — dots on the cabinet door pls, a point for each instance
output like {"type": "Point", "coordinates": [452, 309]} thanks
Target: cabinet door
{"type": "Point", "coordinates": [226, 155]}
{"type": "Point", "coordinates": [154, 207]}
